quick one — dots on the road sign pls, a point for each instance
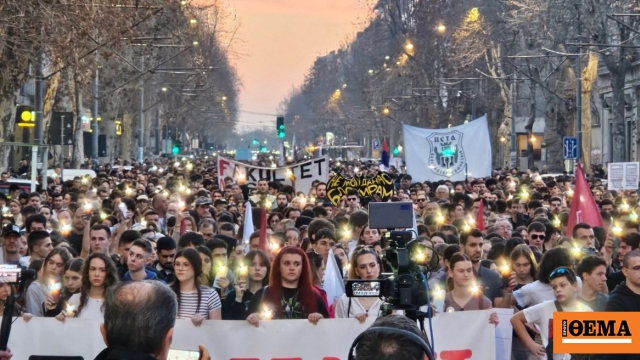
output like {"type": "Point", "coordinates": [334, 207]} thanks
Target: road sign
{"type": "Point", "coordinates": [61, 128]}
{"type": "Point", "coordinates": [376, 144]}
{"type": "Point", "coordinates": [570, 148]}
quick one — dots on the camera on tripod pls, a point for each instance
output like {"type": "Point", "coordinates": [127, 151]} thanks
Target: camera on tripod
{"type": "Point", "coordinates": [406, 288]}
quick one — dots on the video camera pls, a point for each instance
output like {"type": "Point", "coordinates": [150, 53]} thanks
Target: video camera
{"type": "Point", "coordinates": [12, 275]}
{"type": "Point", "coordinates": [406, 288]}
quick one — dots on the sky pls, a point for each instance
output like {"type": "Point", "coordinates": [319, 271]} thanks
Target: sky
{"type": "Point", "coordinates": [280, 39]}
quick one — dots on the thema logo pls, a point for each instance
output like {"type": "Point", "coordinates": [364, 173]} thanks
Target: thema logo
{"type": "Point", "coordinates": [596, 333]}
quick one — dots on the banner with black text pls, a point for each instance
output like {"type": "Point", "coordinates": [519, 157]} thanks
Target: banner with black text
{"type": "Point", "coordinates": [300, 175]}
{"type": "Point", "coordinates": [448, 154]}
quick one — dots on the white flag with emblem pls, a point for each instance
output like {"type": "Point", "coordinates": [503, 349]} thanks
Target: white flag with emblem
{"type": "Point", "coordinates": [448, 154]}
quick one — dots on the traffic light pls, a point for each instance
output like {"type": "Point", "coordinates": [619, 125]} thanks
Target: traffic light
{"type": "Point", "coordinates": [280, 126]}
{"type": "Point", "coordinates": [255, 142]}
{"type": "Point", "coordinates": [25, 116]}
{"type": "Point", "coordinates": [263, 149]}
{"type": "Point", "coordinates": [177, 145]}
{"type": "Point", "coordinates": [396, 151]}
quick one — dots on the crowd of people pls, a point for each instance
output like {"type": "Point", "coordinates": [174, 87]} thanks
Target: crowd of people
{"type": "Point", "coordinates": [174, 222]}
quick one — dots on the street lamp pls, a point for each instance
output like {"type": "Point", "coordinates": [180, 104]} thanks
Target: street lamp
{"type": "Point", "coordinates": [370, 71]}
{"type": "Point", "coordinates": [224, 98]}
{"type": "Point", "coordinates": [409, 46]}
{"type": "Point", "coordinates": [441, 28]}
{"type": "Point", "coordinates": [164, 89]}
{"type": "Point", "coordinates": [386, 111]}
{"type": "Point", "coordinates": [193, 21]}
{"type": "Point", "coordinates": [195, 43]}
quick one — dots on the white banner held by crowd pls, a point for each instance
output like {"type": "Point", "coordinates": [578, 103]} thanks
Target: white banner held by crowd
{"type": "Point", "coordinates": [448, 154]}
{"type": "Point", "coordinates": [305, 172]}
{"type": "Point", "coordinates": [462, 335]}
{"type": "Point", "coordinates": [623, 176]}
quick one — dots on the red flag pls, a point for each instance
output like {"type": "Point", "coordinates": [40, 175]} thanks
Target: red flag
{"type": "Point", "coordinates": [263, 244]}
{"type": "Point", "coordinates": [480, 219]}
{"type": "Point", "coordinates": [583, 207]}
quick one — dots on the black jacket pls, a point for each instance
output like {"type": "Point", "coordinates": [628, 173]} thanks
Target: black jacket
{"type": "Point", "coordinates": [122, 354]}
{"type": "Point", "coordinates": [623, 299]}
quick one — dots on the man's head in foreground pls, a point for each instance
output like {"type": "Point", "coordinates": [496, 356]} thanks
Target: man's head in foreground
{"type": "Point", "coordinates": [391, 346]}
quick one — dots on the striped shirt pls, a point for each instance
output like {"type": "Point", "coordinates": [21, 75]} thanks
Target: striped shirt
{"type": "Point", "coordinates": [189, 303]}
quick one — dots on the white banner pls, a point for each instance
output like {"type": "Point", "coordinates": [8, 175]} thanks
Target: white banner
{"type": "Point", "coordinates": [623, 176]}
{"type": "Point", "coordinates": [460, 336]}
{"type": "Point", "coordinates": [448, 154]}
{"type": "Point", "coordinates": [305, 172]}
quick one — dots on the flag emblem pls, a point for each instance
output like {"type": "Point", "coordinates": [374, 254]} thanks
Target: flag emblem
{"type": "Point", "coordinates": [446, 155]}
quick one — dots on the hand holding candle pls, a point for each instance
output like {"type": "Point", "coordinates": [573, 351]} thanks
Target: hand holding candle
{"type": "Point", "coordinates": [266, 313]}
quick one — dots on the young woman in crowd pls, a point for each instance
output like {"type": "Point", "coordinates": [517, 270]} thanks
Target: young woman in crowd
{"type": "Point", "coordinates": [236, 303]}
{"type": "Point", "coordinates": [274, 221]}
{"type": "Point", "coordinates": [71, 285]}
{"type": "Point", "coordinates": [368, 236]}
{"type": "Point", "coordinates": [195, 301]}
{"type": "Point", "coordinates": [98, 275]}
{"type": "Point", "coordinates": [208, 274]}
{"type": "Point", "coordinates": [14, 210]}
{"type": "Point", "coordinates": [365, 265]}
{"type": "Point", "coordinates": [463, 294]}
{"type": "Point", "coordinates": [318, 266]}
{"type": "Point", "coordinates": [290, 294]}
{"type": "Point", "coordinates": [340, 252]}
{"type": "Point", "coordinates": [49, 281]}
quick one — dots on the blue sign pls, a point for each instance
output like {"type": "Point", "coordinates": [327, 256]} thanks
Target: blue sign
{"type": "Point", "coordinates": [570, 148]}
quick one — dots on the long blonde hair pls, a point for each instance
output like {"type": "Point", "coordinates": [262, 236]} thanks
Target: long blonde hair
{"type": "Point", "coordinates": [359, 251]}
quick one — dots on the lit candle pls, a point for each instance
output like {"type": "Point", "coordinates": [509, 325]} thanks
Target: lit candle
{"type": "Point", "coordinates": [438, 298]}
{"type": "Point", "coordinates": [624, 207]}
{"type": "Point", "coordinates": [312, 200]}
{"type": "Point", "coordinates": [633, 216]}
{"type": "Point", "coordinates": [440, 219]}
{"type": "Point", "coordinates": [570, 192]}
{"type": "Point", "coordinates": [128, 191]}
{"type": "Point", "coordinates": [66, 228]}
{"type": "Point", "coordinates": [143, 223]}
{"type": "Point", "coordinates": [54, 289]}
{"type": "Point", "coordinates": [5, 210]}
{"type": "Point", "coordinates": [88, 208]}
{"type": "Point", "coordinates": [103, 215]}
{"type": "Point", "coordinates": [466, 228]}
{"type": "Point", "coordinates": [176, 164]}
{"type": "Point", "coordinates": [222, 271]}
{"type": "Point", "coordinates": [181, 188]}
{"type": "Point", "coordinates": [181, 205]}
{"type": "Point", "coordinates": [576, 250]}
{"type": "Point", "coordinates": [556, 222]}
{"type": "Point", "coordinates": [266, 314]}
{"type": "Point", "coordinates": [165, 193]}
{"type": "Point", "coordinates": [267, 204]}
{"type": "Point", "coordinates": [505, 269]}
{"type": "Point", "coordinates": [274, 247]}
{"type": "Point", "coordinates": [475, 289]}
{"type": "Point", "coordinates": [347, 233]}
{"type": "Point", "coordinates": [471, 221]}
{"type": "Point", "coordinates": [420, 257]}
{"type": "Point", "coordinates": [189, 166]}
{"type": "Point", "coordinates": [85, 180]}
{"type": "Point", "coordinates": [524, 195]}
{"type": "Point", "coordinates": [616, 230]}
{"type": "Point", "coordinates": [243, 270]}
{"type": "Point", "coordinates": [70, 310]}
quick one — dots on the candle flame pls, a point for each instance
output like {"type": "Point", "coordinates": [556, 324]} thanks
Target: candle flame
{"type": "Point", "coordinates": [266, 314]}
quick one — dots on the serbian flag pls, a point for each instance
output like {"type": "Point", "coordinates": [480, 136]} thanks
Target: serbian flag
{"type": "Point", "coordinates": [480, 219]}
{"type": "Point", "coordinates": [385, 154]}
{"type": "Point", "coordinates": [264, 242]}
{"type": "Point", "coordinates": [583, 207]}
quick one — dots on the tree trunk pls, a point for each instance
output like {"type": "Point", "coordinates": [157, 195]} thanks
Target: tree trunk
{"type": "Point", "coordinates": [556, 125]}
{"type": "Point", "coordinates": [77, 157]}
{"type": "Point", "coordinates": [532, 119]}
{"type": "Point", "coordinates": [589, 75]}
{"type": "Point", "coordinates": [8, 121]}
{"type": "Point", "coordinates": [618, 107]}
{"type": "Point", "coordinates": [127, 136]}
{"type": "Point", "coordinates": [64, 103]}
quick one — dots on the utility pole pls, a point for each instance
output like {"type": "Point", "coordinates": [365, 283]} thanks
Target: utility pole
{"type": "Point", "coordinates": [39, 129]}
{"type": "Point", "coordinates": [141, 126]}
{"type": "Point", "coordinates": [94, 114]}
{"type": "Point", "coordinates": [514, 147]}
{"type": "Point", "coordinates": [158, 130]}
{"type": "Point", "coordinates": [579, 103]}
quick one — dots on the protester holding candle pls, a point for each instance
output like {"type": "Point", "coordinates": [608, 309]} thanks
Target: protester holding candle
{"type": "Point", "coordinates": [49, 283]}
{"type": "Point", "coordinates": [72, 282]}
{"type": "Point", "coordinates": [252, 275]}
{"type": "Point", "coordinates": [195, 301]}
{"type": "Point", "coordinates": [290, 294]}
{"type": "Point", "coordinates": [464, 294]}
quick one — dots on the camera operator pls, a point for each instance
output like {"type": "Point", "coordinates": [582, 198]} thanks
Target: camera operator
{"type": "Point", "coordinates": [147, 303]}
{"type": "Point", "coordinates": [384, 346]}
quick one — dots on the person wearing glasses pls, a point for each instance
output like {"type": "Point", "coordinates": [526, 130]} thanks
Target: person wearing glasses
{"type": "Point", "coordinates": [353, 201]}
{"type": "Point", "coordinates": [564, 282]}
{"type": "Point", "coordinates": [504, 229]}
{"type": "Point", "coordinates": [536, 233]}
{"type": "Point", "coordinates": [421, 204]}
{"type": "Point", "coordinates": [626, 296]}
